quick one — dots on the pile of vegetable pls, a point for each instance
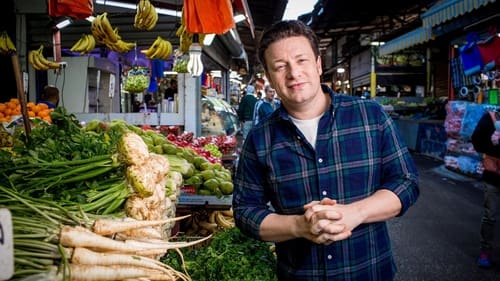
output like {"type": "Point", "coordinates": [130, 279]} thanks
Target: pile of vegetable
{"type": "Point", "coordinates": [53, 243]}
{"type": "Point", "coordinates": [99, 190]}
{"type": "Point", "coordinates": [229, 256]}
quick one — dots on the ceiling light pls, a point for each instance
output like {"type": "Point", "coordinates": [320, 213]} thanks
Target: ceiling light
{"type": "Point", "coordinates": [62, 24]}
{"type": "Point", "coordinates": [239, 18]}
{"type": "Point", "coordinates": [161, 11]}
{"type": "Point", "coordinates": [208, 39]}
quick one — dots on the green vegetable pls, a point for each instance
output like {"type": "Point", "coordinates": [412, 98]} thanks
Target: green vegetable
{"type": "Point", "coordinates": [230, 256]}
{"type": "Point", "coordinates": [180, 165]}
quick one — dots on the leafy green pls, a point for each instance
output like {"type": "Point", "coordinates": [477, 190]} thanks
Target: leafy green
{"type": "Point", "coordinates": [230, 256]}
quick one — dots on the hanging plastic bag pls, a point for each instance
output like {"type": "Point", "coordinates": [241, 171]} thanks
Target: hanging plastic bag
{"type": "Point", "coordinates": [489, 49]}
{"type": "Point", "coordinates": [137, 80]}
{"type": "Point", "coordinates": [470, 56]}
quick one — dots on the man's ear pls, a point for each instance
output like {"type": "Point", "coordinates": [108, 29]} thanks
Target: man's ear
{"type": "Point", "coordinates": [318, 65]}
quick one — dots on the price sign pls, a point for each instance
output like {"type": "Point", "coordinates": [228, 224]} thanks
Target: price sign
{"type": "Point", "coordinates": [6, 245]}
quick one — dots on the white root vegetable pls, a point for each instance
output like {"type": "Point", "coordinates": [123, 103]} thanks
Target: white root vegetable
{"type": "Point", "coordinates": [85, 256]}
{"type": "Point", "coordinates": [80, 237]}
{"type": "Point", "coordinates": [80, 272]}
{"type": "Point", "coordinates": [108, 226]}
{"type": "Point", "coordinates": [140, 234]}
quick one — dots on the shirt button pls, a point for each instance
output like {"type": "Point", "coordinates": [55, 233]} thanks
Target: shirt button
{"type": "Point", "coordinates": [324, 193]}
{"type": "Point", "coordinates": [330, 257]}
{"type": "Point", "coordinates": [320, 160]}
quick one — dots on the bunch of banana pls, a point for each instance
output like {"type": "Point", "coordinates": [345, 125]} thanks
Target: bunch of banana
{"type": "Point", "coordinates": [84, 45]}
{"type": "Point", "coordinates": [105, 34]}
{"type": "Point", "coordinates": [146, 16]}
{"type": "Point", "coordinates": [224, 218]}
{"type": "Point", "coordinates": [186, 38]}
{"type": "Point", "coordinates": [160, 49]}
{"type": "Point", "coordinates": [203, 223]}
{"type": "Point", "coordinates": [39, 62]}
{"type": "Point", "coordinates": [7, 47]}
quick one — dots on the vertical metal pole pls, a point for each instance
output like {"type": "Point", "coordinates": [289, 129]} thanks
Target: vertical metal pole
{"type": "Point", "coordinates": [373, 75]}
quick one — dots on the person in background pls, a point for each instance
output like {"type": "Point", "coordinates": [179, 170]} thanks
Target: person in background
{"type": "Point", "coordinates": [485, 139]}
{"type": "Point", "coordinates": [323, 173]}
{"type": "Point", "coordinates": [245, 110]}
{"type": "Point", "coordinates": [259, 87]}
{"type": "Point", "coordinates": [265, 106]}
{"type": "Point", "coordinates": [171, 90]}
{"type": "Point", "coordinates": [50, 96]}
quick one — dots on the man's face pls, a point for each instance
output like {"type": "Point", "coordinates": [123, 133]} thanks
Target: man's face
{"type": "Point", "coordinates": [294, 71]}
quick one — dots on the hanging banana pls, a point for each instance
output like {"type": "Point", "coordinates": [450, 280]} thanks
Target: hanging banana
{"type": "Point", "coordinates": [146, 16]}
{"type": "Point", "coordinates": [39, 62]}
{"type": "Point", "coordinates": [7, 47]}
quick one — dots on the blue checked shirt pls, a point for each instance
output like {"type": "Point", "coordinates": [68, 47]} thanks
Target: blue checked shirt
{"type": "Point", "coordinates": [358, 152]}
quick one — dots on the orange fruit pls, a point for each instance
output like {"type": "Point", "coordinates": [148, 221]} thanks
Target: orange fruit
{"type": "Point", "coordinates": [15, 100]}
{"type": "Point", "coordinates": [35, 108]}
{"type": "Point", "coordinates": [31, 113]}
{"type": "Point", "coordinates": [7, 111]}
{"type": "Point", "coordinates": [43, 105]}
{"type": "Point", "coordinates": [30, 104]}
{"type": "Point", "coordinates": [11, 105]}
{"type": "Point", "coordinates": [16, 112]}
{"type": "Point", "coordinates": [44, 112]}
{"type": "Point", "coordinates": [47, 118]}
{"type": "Point", "coordinates": [3, 106]}
{"type": "Point", "coordinates": [3, 119]}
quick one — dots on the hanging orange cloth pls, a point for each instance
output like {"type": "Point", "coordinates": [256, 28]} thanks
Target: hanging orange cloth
{"type": "Point", "coordinates": [203, 16]}
{"type": "Point", "coordinates": [77, 9]}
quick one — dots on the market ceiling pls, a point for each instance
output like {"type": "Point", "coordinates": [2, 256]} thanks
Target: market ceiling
{"type": "Point", "coordinates": [331, 19]}
{"type": "Point", "coordinates": [362, 22]}
{"type": "Point", "coordinates": [262, 13]}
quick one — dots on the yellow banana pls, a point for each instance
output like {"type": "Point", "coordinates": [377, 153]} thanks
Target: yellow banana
{"type": "Point", "coordinates": [90, 45]}
{"type": "Point", "coordinates": [108, 29]}
{"type": "Point", "coordinates": [49, 64]}
{"type": "Point", "coordinates": [3, 45]}
{"type": "Point", "coordinates": [11, 48]}
{"type": "Point", "coordinates": [80, 44]}
{"type": "Point", "coordinates": [222, 221]}
{"type": "Point", "coordinates": [34, 60]}
{"type": "Point", "coordinates": [159, 51]}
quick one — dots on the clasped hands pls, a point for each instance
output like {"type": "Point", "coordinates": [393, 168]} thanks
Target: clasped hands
{"type": "Point", "coordinates": [326, 221]}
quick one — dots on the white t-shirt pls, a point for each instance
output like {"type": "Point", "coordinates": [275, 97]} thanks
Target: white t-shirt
{"type": "Point", "coordinates": [309, 128]}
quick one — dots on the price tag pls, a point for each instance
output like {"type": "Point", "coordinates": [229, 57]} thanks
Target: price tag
{"type": "Point", "coordinates": [6, 245]}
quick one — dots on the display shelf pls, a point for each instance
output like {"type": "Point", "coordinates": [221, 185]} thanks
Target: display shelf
{"type": "Point", "coordinates": [207, 201]}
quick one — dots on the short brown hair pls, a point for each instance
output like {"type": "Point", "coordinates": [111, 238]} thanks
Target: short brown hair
{"type": "Point", "coordinates": [286, 29]}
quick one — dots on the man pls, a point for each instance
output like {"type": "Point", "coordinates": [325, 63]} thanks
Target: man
{"type": "Point", "coordinates": [245, 110]}
{"type": "Point", "coordinates": [485, 139]}
{"type": "Point", "coordinates": [265, 106]}
{"type": "Point", "coordinates": [323, 173]}
{"type": "Point", "coordinates": [50, 96]}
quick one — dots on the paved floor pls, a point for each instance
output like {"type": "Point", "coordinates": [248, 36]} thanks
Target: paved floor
{"type": "Point", "coordinates": [437, 239]}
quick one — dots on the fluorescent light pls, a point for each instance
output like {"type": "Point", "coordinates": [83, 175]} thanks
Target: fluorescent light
{"type": "Point", "coordinates": [160, 11]}
{"type": "Point", "coordinates": [239, 18]}
{"type": "Point", "coordinates": [63, 24]}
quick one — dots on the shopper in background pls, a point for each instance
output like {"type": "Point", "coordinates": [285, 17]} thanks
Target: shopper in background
{"type": "Point", "coordinates": [245, 110]}
{"type": "Point", "coordinates": [171, 90]}
{"type": "Point", "coordinates": [259, 87]}
{"type": "Point", "coordinates": [50, 96]}
{"type": "Point", "coordinates": [485, 140]}
{"type": "Point", "coordinates": [323, 173]}
{"type": "Point", "coordinates": [265, 106]}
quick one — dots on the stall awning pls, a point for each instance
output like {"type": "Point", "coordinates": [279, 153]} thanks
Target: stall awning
{"type": "Point", "coordinates": [415, 37]}
{"type": "Point", "coordinates": [448, 10]}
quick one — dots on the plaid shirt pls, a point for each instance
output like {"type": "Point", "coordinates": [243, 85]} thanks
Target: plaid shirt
{"type": "Point", "coordinates": [358, 152]}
